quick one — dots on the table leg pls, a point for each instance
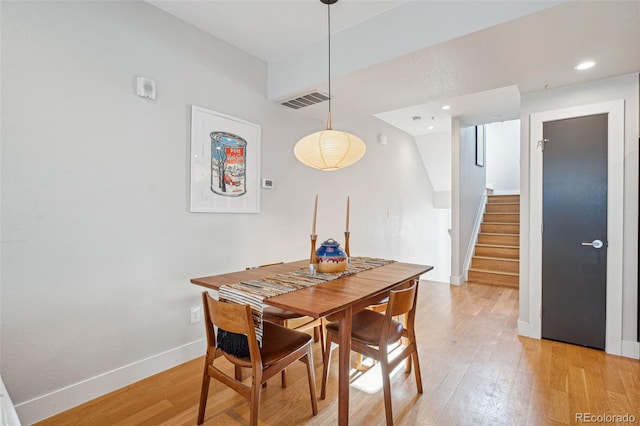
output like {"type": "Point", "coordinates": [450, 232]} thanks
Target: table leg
{"type": "Point", "coordinates": [344, 346]}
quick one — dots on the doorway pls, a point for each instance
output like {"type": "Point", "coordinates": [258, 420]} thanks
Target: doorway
{"type": "Point", "coordinates": [574, 237]}
{"type": "Point", "coordinates": [532, 324]}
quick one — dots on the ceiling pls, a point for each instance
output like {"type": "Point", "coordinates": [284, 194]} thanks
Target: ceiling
{"type": "Point", "coordinates": [403, 59]}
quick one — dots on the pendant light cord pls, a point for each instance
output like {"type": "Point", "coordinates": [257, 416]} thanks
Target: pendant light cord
{"type": "Point", "coordinates": [329, 127]}
{"type": "Point", "coordinates": [329, 39]}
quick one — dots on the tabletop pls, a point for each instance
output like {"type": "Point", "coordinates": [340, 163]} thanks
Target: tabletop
{"type": "Point", "coordinates": [330, 297]}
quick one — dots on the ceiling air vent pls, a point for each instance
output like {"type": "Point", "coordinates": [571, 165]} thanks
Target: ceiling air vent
{"type": "Point", "coordinates": [305, 100]}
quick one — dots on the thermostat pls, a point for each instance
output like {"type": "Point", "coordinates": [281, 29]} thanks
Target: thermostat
{"type": "Point", "coordinates": [145, 87]}
{"type": "Point", "coordinates": [268, 183]}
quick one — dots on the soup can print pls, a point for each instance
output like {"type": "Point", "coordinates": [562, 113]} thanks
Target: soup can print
{"type": "Point", "coordinates": [228, 164]}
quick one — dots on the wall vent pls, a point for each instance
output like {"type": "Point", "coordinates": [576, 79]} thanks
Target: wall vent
{"type": "Point", "coordinates": [305, 100]}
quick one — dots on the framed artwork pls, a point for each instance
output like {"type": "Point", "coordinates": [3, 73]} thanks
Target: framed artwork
{"type": "Point", "coordinates": [480, 146]}
{"type": "Point", "coordinates": [225, 163]}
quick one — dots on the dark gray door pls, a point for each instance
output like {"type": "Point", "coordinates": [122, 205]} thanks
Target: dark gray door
{"type": "Point", "coordinates": [574, 264]}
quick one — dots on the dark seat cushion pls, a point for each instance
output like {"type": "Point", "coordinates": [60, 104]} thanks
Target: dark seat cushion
{"type": "Point", "coordinates": [277, 341]}
{"type": "Point", "coordinates": [366, 327]}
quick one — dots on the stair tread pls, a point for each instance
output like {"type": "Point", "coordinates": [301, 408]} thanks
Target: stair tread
{"type": "Point", "coordinates": [495, 233]}
{"type": "Point", "coordinates": [495, 258]}
{"type": "Point", "coordinates": [497, 245]}
{"type": "Point", "coordinates": [487, 271]}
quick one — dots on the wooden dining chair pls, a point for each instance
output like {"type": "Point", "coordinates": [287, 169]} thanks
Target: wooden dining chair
{"type": "Point", "coordinates": [380, 306]}
{"type": "Point", "coordinates": [294, 321]}
{"type": "Point", "coordinates": [371, 335]}
{"type": "Point", "coordinates": [281, 347]}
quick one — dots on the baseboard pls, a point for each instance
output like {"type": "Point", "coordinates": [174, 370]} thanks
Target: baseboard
{"type": "Point", "coordinates": [457, 279]}
{"type": "Point", "coordinates": [527, 329]}
{"type": "Point", "coordinates": [472, 242]}
{"type": "Point", "coordinates": [524, 328]}
{"type": "Point", "coordinates": [631, 349]}
{"type": "Point", "coordinates": [55, 402]}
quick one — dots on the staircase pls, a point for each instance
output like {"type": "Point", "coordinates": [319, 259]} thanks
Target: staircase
{"type": "Point", "coordinates": [496, 256]}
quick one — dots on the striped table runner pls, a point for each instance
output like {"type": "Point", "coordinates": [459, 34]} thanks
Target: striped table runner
{"type": "Point", "coordinates": [254, 292]}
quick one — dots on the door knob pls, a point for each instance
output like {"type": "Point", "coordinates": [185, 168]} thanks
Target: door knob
{"type": "Point", "coordinates": [596, 244]}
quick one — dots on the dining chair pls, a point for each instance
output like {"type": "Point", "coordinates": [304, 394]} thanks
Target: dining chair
{"type": "Point", "coordinates": [371, 335]}
{"type": "Point", "coordinates": [380, 306]}
{"type": "Point", "coordinates": [281, 347]}
{"type": "Point", "coordinates": [294, 321]}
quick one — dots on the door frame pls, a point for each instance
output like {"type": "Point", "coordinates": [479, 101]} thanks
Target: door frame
{"type": "Point", "coordinates": [615, 211]}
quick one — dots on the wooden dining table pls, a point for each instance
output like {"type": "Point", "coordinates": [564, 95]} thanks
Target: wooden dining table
{"type": "Point", "coordinates": [338, 299]}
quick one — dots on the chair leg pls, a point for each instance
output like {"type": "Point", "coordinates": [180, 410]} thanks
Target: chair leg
{"type": "Point", "coordinates": [325, 361]}
{"type": "Point", "coordinates": [308, 359]}
{"type": "Point", "coordinates": [254, 401]}
{"type": "Point", "coordinates": [405, 343]}
{"type": "Point", "coordinates": [416, 368]}
{"type": "Point", "coordinates": [204, 393]}
{"type": "Point", "coordinates": [283, 374]}
{"type": "Point", "coordinates": [320, 330]}
{"type": "Point", "coordinates": [238, 373]}
{"type": "Point", "coordinates": [386, 387]}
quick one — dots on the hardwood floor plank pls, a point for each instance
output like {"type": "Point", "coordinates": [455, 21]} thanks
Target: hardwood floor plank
{"type": "Point", "coordinates": [578, 390]}
{"type": "Point", "coordinates": [475, 370]}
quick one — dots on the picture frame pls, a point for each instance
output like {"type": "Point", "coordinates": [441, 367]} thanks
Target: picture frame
{"type": "Point", "coordinates": [225, 163]}
{"type": "Point", "coordinates": [480, 146]}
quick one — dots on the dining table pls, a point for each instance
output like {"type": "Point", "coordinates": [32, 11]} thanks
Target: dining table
{"type": "Point", "coordinates": [337, 299]}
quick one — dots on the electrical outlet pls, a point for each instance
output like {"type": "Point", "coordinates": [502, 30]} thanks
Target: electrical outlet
{"type": "Point", "coordinates": [195, 314]}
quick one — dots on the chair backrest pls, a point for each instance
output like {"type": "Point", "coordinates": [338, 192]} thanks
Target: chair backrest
{"type": "Point", "coordinates": [401, 301]}
{"type": "Point", "coordinates": [230, 317]}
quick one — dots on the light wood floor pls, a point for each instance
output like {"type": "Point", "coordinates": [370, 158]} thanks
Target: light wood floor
{"type": "Point", "coordinates": [475, 370]}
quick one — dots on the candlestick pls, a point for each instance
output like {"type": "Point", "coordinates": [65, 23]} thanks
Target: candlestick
{"type": "Point", "coordinates": [346, 229]}
{"type": "Point", "coordinates": [346, 244]}
{"type": "Point", "coordinates": [313, 262]}
{"type": "Point", "coordinates": [315, 213]}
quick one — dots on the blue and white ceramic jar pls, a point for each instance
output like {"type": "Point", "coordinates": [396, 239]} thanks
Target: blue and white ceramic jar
{"type": "Point", "coordinates": [331, 257]}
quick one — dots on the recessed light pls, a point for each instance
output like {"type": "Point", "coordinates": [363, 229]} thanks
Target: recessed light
{"type": "Point", "coordinates": [584, 65]}
{"type": "Point", "coordinates": [416, 118]}
{"type": "Point", "coordinates": [430, 128]}
{"type": "Point", "coordinates": [446, 107]}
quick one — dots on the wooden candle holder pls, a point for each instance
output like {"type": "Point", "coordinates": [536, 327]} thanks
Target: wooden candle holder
{"type": "Point", "coordinates": [346, 243]}
{"type": "Point", "coordinates": [313, 262]}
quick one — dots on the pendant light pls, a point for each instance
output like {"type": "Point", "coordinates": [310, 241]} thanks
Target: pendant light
{"type": "Point", "coordinates": [329, 149]}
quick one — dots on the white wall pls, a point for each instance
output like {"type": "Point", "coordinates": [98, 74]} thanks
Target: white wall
{"type": "Point", "coordinates": [468, 190]}
{"type": "Point", "coordinates": [98, 244]}
{"type": "Point", "coordinates": [503, 156]}
{"type": "Point", "coordinates": [626, 88]}
{"type": "Point", "coordinates": [435, 151]}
